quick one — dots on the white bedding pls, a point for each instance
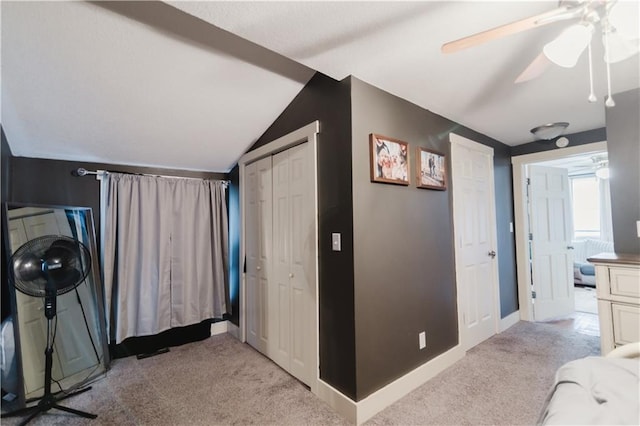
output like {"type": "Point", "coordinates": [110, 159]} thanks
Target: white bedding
{"type": "Point", "coordinates": [594, 391]}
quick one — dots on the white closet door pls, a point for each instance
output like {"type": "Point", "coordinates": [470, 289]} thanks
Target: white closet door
{"type": "Point", "coordinates": [258, 225]}
{"type": "Point", "coordinates": [281, 290]}
{"type": "Point", "coordinates": [294, 237]}
{"type": "Point", "coordinates": [302, 232]}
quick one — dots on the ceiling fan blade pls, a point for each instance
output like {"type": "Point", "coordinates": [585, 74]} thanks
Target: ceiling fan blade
{"type": "Point", "coordinates": [535, 69]}
{"type": "Point", "coordinates": [561, 13]}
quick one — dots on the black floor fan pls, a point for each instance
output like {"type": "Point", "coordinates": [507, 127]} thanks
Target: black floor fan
{"type": "Point", "coordinates": [46, 267]}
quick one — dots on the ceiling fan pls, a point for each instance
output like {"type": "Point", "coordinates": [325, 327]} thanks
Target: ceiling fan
{"type": "Point", "coordinates": [597, 165]}
{"type": "Point", "coordinates": [618, 27]}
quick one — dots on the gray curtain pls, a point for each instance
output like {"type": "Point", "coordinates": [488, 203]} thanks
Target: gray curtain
{"type": "Point", "coordinates": [165, 253]}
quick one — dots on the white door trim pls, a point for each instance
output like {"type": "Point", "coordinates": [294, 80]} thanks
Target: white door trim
{"type": "Point", "coordinates": [307, 134]}
{"type": "Point", "coordinates": [519, 163]}
{"type": "Point", "coordinates": [467, 143]}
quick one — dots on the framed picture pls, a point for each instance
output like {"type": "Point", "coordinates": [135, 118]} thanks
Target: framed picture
{"type": "Point", "coordinates": [389, 160]}
{"type": "Point", "coordinates": [432, 173]}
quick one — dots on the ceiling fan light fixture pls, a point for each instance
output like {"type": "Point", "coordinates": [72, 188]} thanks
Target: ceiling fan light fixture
{"type": "Point", "coordinates": [623, 15]}
{"type": "Point", "coordinates": [603, 172]}
{"type": "Point", "coordinates": [549, 131]}
{"type": "Point", "coordinates": [619, 47]}
{"type": "Point", "coordinates": [569, 45]}
{"type": "Point", "coordinates": [601, 163]}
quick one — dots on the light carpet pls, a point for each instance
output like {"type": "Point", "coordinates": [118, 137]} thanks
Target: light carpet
{"type": "Point", "coordinates": [221, 381]}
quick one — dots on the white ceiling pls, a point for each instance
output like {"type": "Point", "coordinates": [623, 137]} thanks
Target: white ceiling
{"type": "Point", "coordinates": [192, 85]}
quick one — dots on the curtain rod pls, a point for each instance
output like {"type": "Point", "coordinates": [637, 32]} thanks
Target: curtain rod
{"type": "Point", "coordinates": [99, 173]}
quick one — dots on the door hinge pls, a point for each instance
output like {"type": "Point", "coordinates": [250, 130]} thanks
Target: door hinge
{"type": "Point", "coordinates": [533, 294]}
{"type": "Point", "coordinates": [528, 181]}
{"type": "Point", "coordinates": [530, 236]}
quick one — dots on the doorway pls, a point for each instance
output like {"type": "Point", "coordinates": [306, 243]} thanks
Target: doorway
{"type": "Point", "coordinates": [574, 162]}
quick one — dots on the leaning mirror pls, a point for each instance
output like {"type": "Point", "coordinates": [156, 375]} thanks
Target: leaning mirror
{"type": "Point", "coordinates": [77, 332]}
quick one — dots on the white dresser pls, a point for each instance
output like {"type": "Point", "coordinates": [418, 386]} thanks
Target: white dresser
{"type": "Point", "coordinates": [618, 290]}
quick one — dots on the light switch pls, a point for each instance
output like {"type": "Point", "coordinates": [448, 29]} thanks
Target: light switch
{"type": "Point", "coordinates": [638, 227]}
{"type": "Point", "coordinates": [336, 244]}
{"type": "Point", "coordinates": [511, 227]}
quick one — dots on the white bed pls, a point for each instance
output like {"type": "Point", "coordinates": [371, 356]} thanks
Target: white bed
{"type": "Point", "coordinates": [596, 390]}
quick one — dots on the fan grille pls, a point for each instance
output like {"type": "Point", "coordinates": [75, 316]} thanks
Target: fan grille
{"type": "Point", "coordinates": [58, 259]}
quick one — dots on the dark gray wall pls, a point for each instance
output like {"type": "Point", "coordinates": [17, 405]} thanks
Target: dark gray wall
{"type": "Point", "coordinates": [578, 138]}
{"type": "Point", "coordinates": [327, 100]}
{"type": "Point", "coordinates": [623, 144]}
{"type": "Point", "coordinates": [387, 318]}
{"type": "Point", "coordinates": [404, 247]}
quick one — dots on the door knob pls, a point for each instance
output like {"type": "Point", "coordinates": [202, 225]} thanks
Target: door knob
{"type": "Point", "coordinates": [492, 254]}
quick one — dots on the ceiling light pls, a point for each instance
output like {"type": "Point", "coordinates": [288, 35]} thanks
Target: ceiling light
{"type": "Point", "coordinates": [569, 45]}
{"type": "Point", "coordinates": [549, 131]}
{"type": "Point", "coordinates": [623, 15]}
{"type": "Point", "coordinates": [619, 47]}
{"type": "Point", "coordinates": [603, 172]}
{"type": "Point", "coordinates": [602, 166]}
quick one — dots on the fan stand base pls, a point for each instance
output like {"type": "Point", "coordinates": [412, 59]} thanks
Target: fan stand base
{"type": "Point", "coordinates": [47, 403]}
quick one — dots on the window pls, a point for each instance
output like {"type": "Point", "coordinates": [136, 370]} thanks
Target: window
{"type": "Point", "coordinates": [586, 207]}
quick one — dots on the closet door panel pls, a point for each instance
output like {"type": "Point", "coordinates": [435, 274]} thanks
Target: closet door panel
{"type": "Point", "coordinates": [265, 232]}
{"type": "Point", "coordinates": [252, 309]}
{"type": "Point", "coordinates": [302, 237]}
{"type": "Point", "coordinates": [258, 251]}
{"type": "Point", "coordinates": [281, 246]}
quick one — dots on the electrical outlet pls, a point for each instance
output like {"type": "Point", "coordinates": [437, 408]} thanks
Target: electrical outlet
{"type": "Point", "coordinates": [422, 340]}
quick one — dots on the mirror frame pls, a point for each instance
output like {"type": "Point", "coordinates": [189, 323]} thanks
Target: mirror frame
{"type": "Point", "coordinates": [98, 286]}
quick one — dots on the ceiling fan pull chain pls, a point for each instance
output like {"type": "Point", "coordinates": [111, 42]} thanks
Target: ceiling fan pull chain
{"type": "Point", "coordinates": [592, 95]}
{"type": "Point", "coordinates": [609, 102]}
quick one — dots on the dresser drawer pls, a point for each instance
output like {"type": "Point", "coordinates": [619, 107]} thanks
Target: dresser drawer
{"type": "Point", "coordinates": [626, 323]}
{"type": "Point", "coordinates": [625, 281]}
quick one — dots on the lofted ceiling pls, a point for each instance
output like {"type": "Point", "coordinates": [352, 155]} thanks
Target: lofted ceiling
{"type": "Point", "coordinates": [192, 85]}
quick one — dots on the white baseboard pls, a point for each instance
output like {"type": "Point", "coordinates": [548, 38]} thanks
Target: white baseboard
{"type": "Point", "coordinates": [340, 403]}
{"type": "Point", "coordinates": [233, 330]}
{"type": "Point", "coordinates": [361, 411]}
{"type": "Point", "coordinates": [222, 327]}
{"type": "Point", "coordinates": [219, 327]}
{"type": "Point", "coordinates": [509, 321]}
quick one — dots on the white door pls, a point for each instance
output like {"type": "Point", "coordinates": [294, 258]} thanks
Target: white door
{"type": "Point", "coordinates": [258, 241]}
{"type": "Point", "coordinates": [475, 240]}
{"type": "Point", "coordinates": [293, 233]}
{"type": "Point", "coordinates": [551, 229]}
